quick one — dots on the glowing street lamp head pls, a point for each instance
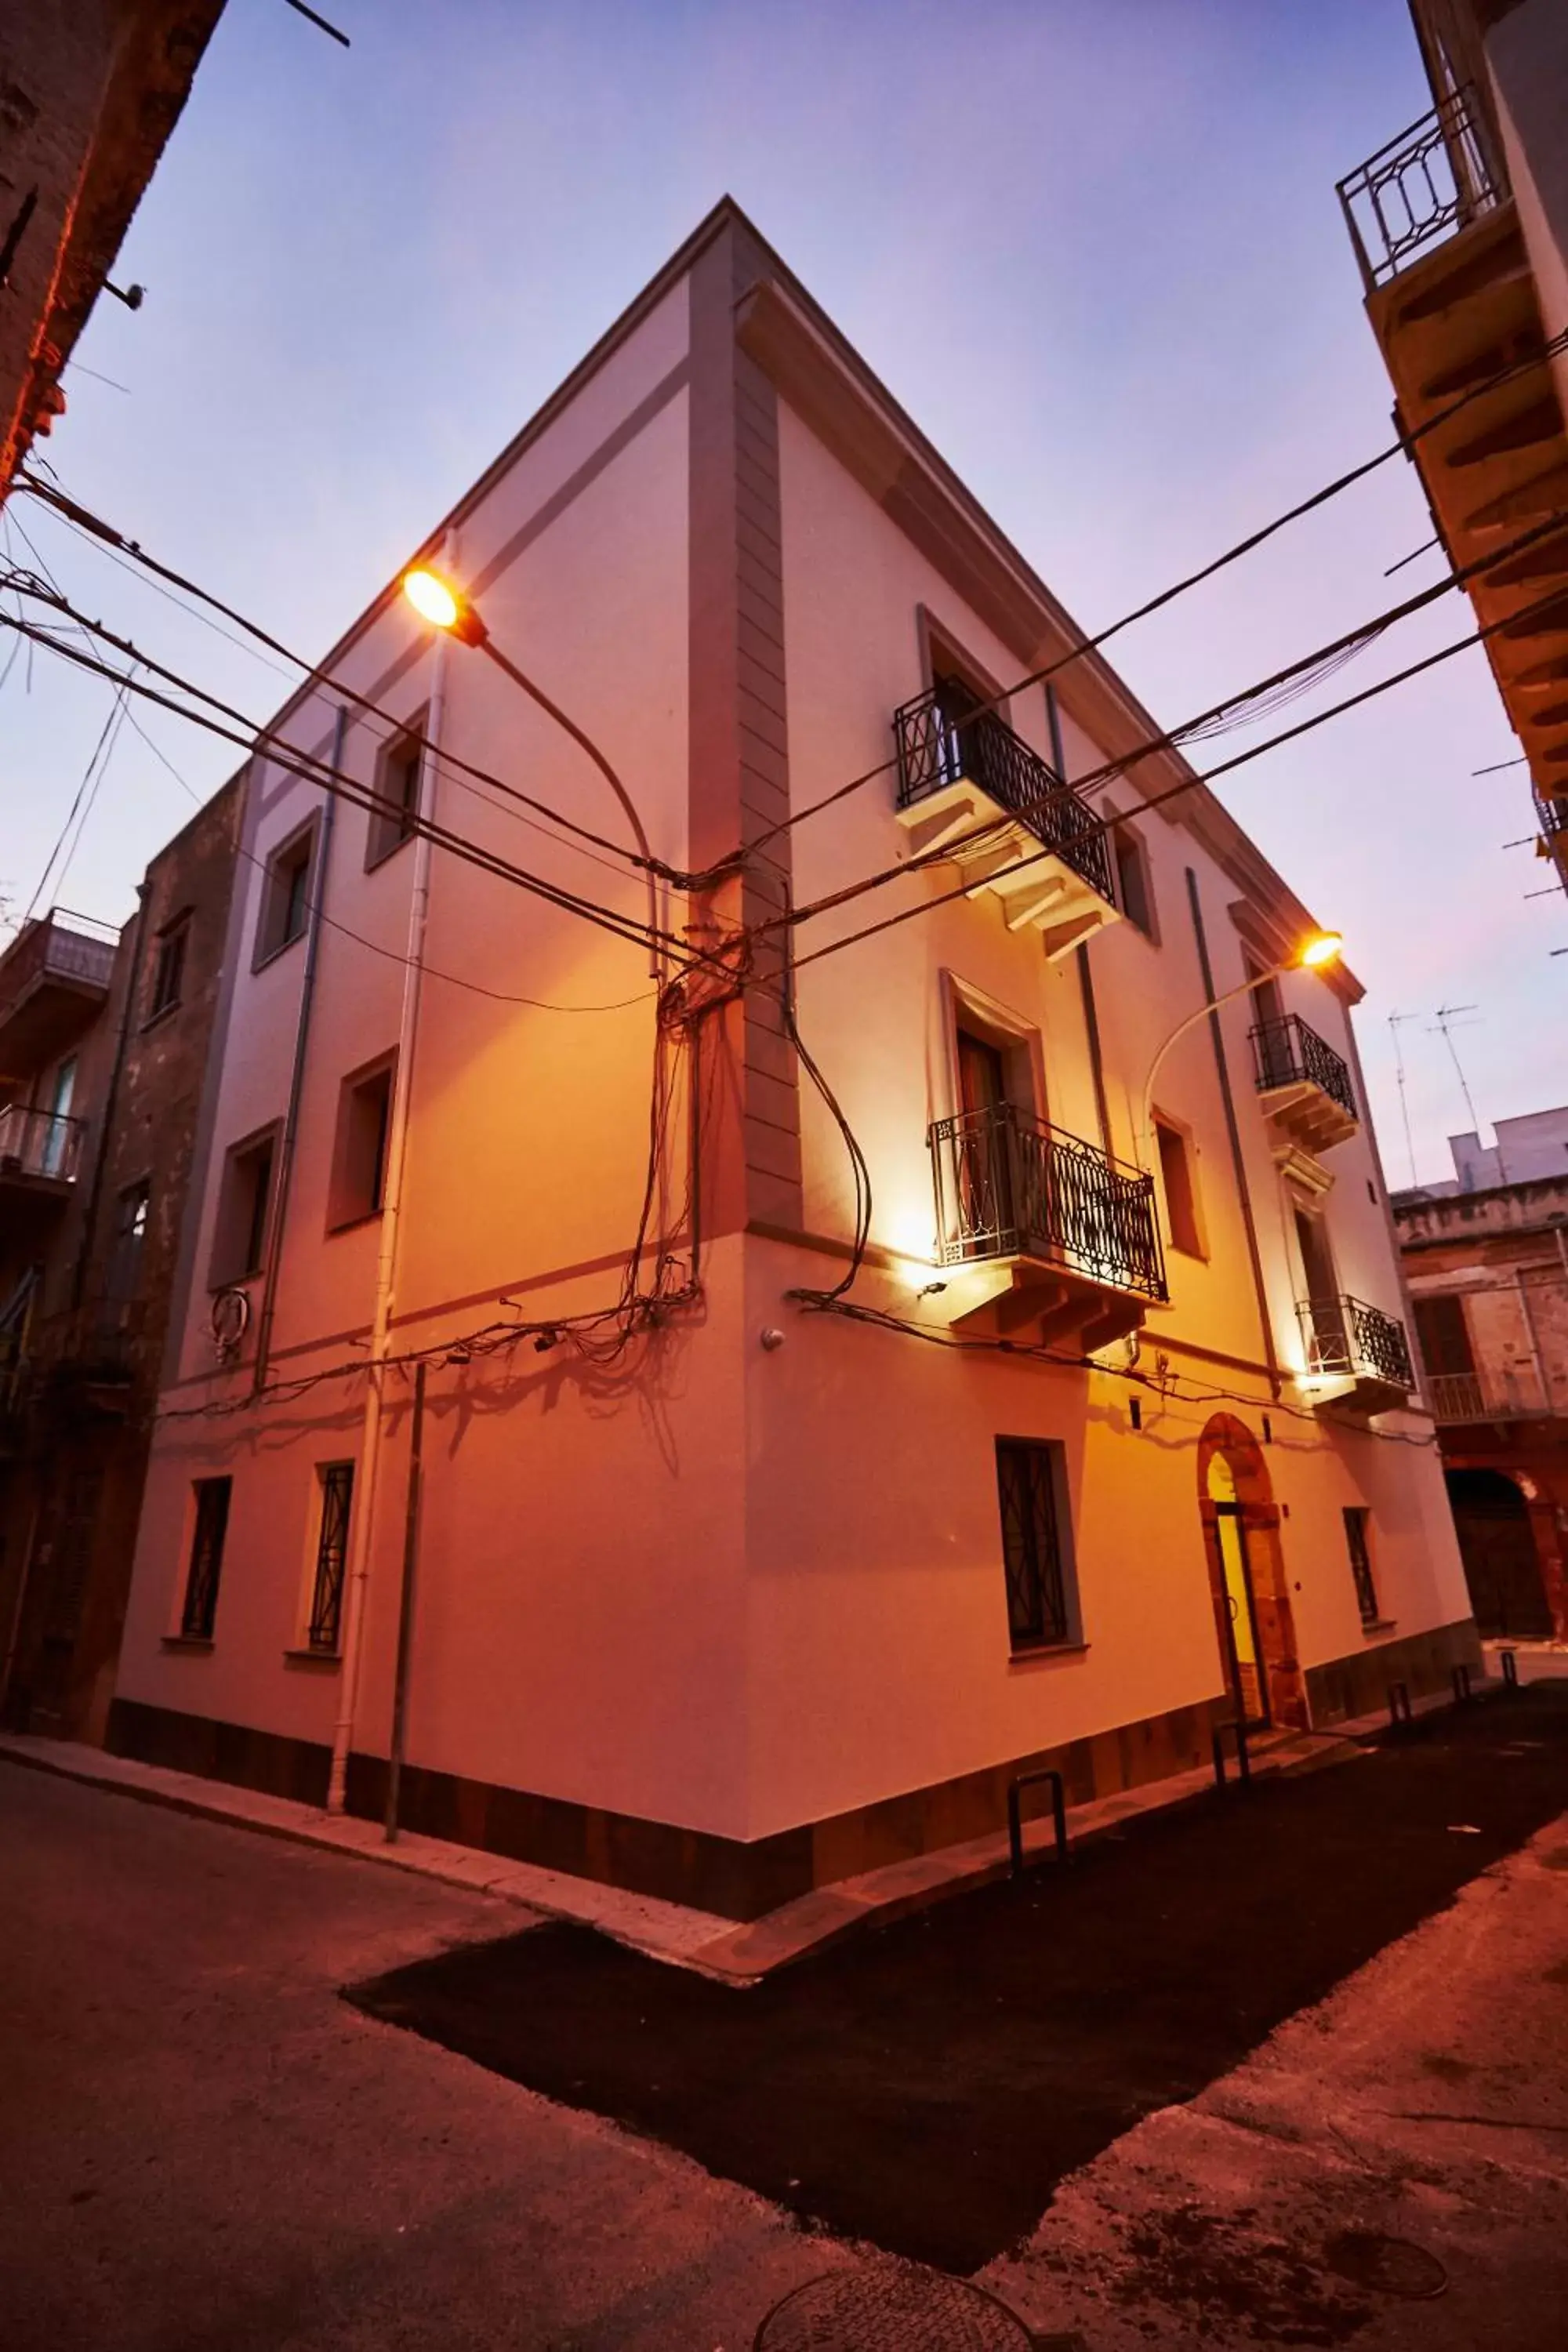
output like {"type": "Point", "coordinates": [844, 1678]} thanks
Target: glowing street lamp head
{"type": "Point", "coordinates": [436, 602]}
{"type": "Point", "coordinates": [1323, 948]}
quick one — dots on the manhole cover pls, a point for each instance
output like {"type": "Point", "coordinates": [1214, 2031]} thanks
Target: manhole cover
{"type": "Point", "coordinates": [887, 2310]}
{"type": "Point", "coordinates": [1392, 2265]}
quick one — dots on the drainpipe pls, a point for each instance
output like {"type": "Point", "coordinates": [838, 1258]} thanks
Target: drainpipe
{"type": "Point", "coordinates": [362, 1525]}
{"type": "Point", "coordinates": [1531, 1335]}
{"type": "Point", "coordinates": [297, 1076]}
{"type": "Point", "coordinates": [406, 1603]}
{"type": "Point", "coordinates": [1237, 1162]}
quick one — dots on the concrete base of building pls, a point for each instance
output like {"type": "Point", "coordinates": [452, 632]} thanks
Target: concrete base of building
{"type": "Point", "coordinates": [1424, 1663]}
{"type": "Point", "coordinates": [744, 1879]}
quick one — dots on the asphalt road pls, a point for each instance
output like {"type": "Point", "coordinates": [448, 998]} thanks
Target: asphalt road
{"type": "Point", "coordinates": [928, 2085]}
{"type": "Point", "coordinates": [204, 2150]}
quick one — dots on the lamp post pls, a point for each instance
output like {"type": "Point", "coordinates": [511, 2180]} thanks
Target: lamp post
{"type": "Point", "coordinates": [1322, 949]}
{"type": "Point", "coordinates": [445, 607]}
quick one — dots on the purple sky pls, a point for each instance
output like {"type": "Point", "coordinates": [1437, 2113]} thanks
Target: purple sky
{"type": "Point", "coordinates": [1097, 253]}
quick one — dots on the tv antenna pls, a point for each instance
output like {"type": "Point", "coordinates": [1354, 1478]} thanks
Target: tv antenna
{"type": "Point", "coordinates": [1395, 1020]}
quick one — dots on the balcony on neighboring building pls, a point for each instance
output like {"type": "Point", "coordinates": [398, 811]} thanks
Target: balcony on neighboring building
{"type": "Point", "coordinates": [1514, 1394]}
{"type": "Point", "coordinates": [40, 1150]}
{"type": "Point", "coordinates": [1304, 1086]}
{"type": "Point", "coordinates": [973, 791]}
{"type": "Point", "coordinates": [1356, 1355]}
{"type": "Point", "coordinates": [54, 980]}
{"type": "Point", "coordinates": [1452, 298]}
{"type": "Point", "coordinates": [1041, 1236]}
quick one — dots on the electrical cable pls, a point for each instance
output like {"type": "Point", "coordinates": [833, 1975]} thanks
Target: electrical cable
{"type": "Point", "coordinates": [1048, 670]}
{"type": "Point", "coordinates": [94, 525]}
{"type": "Point", "coordinates": [312, 770]}
{"type": "Point", "coordinates": [86, 792]}
{"type": "Point", "coordinates": [1100, 825]}
{"type": "Point", "coordinates": [391, 955]}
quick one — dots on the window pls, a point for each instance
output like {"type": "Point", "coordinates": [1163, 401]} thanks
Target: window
{"type": "Point", "coordinates": [1181, 1220]}
{"type": "Point", "coordinates": [130, 1241]}
{"type": "Point", "coordinates": [206, 1559]}
{"type": "Point", "coordinates": [1040, 1598]}
{"type": "Point", "coordinates": [168, 967]}
{"type": "Point", "coordinates": [1316, 1260]}
{"type": "Point", "coordinates": [1443, 1334]}
{"type": "Point", "coordinates": [337, 1483]}
{"type": "Point", "coordinates": [1357, 1518]}
{"type": "Point", "coordinates": [358, 1158]}
{"type": "Point", "coordinates": [286, 895]}
{"type": "Point", "coordinates": [1132, 888]}
{"type": "Point", "coordinates": [397, 776]}
{"type": "Point", "coordinates": [239, 1247]}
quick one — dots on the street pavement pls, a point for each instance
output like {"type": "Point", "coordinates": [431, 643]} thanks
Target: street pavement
{"type": "Point", "coordinates": [203, 2146]}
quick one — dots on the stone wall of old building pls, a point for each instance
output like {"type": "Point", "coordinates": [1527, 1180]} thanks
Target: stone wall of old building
{"type": "Point", "coordinates": [73, 1498]}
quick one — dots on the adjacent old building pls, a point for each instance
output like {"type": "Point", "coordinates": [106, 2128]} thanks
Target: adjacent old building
{"type": "Point", "coordinates": [103, 1048]}
{"type": "Point", "coordinates": [90, 92]}
{"type": "Point", "coordinates": [1486, 1256]}
{"type": "Point", "coordinates": [1461, 226]}
{"type": "Point", "coordinates": [733, 1297]}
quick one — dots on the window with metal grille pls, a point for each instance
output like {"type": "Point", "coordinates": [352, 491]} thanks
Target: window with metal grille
{"type": "Point", "coordinates": [1357, 1517]}
{"type": "Point", "coordinates": [331, 1557]}
{"type": "Point", "coordinates": [207, 1558]}
{"type": "Point", "coordinates": [1040, 1599]}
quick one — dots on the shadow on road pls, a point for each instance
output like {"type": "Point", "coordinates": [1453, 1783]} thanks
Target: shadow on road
{"type": "Point", "coordinates": [928, 2085]}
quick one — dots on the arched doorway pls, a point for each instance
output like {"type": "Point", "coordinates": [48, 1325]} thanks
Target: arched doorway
{"type": "Point", "coordinates": [1254, 1623]}
{"type": "Point", "coordinates": [1496, 1544]}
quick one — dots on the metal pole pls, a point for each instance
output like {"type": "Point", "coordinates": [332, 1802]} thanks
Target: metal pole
{"type": "Point", "coordinates": [406, 1603]}
{"type": "Point", "coordinates": [362, 1529]}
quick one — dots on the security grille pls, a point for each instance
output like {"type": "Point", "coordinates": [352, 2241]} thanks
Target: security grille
{"type": "Point", "coordinates": [206, 1559]}
{"type": "Point", "coordinates": [1360, 1563]}
{"type": "Point", "coordinates": [332, 1555]}
{"type": "Point", "coordinates": [1037, 1610]}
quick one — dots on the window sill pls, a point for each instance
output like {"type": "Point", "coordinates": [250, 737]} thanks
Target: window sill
{"type": "Point", "coordinates": [1378, 1625]}
{"type": "Point", "coordinates": [321, 1661]}
{"type": "Point", "coordinates": [188, 1642]}
{"type": "Point", "coordinates": [260, 963]}
{"type": "Point", "coordinates": [164, 1013]}
{"type": "Point", "coordinates": [374, 861]}
{"type": "Point", "coordinates": [1041, 1653]}
{"type": "Point", "coordinates": [353, 1224]}
{"type": "Point", "coordinates": [1193, 1256]}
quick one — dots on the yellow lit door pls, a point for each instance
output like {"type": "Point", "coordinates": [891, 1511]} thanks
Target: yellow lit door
{"type": "Point", "coordinates": [1246, 1671]}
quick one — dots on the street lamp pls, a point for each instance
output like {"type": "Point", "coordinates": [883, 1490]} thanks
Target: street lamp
{"type": "Point", "coordinates": [445, 607]}
{"type": "Point", "coordinates": [1314, 955]}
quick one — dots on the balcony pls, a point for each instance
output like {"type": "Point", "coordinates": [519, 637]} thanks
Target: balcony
{"type": "Point", "coordinates": [1046, 1238]}
{"type": "Point", "coordinates": [1304, 1087]}
{"type": "Point", "coordinates": [1356, 1355]}
{"type": "Point", "coordinates": [960, 773]}
{"type": "Point", "coordinates": [40, 1150]}
{"type": "Point", "coordinates": [1423, 186]}
{"type": "Point", "coordinates": [1451, 297]}
{"type": "Point", "coordinates": [1511, 1395]}
{"type": "Point", "coordinates": [54, 977]}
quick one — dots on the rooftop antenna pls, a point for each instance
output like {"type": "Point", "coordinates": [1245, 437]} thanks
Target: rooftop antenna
{"type": "Point", "coordinates": [1446, 1018]}
{"type": "Point", "coordinates": [1394, 1021]}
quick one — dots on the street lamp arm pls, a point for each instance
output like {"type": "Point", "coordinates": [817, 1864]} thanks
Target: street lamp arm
{"type": "Point", "coordinates": [570, 726]}
{"type": "Point", "coordinates": [1258, 980]}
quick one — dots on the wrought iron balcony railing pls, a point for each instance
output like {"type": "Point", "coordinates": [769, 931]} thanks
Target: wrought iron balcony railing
{"type": "Point", "coordinates": [936, 749]}
{"type": "Point", "coordinates": [1288, 1052]}
{"type": "Point", "coordinates": [1551, 814]}
{"type": "Point", "coordinates": [1432, 180]}
{"type": "Point", "coordinates": [38, 1144]}
{"type": "Point", "coordinates": [1009, 1186]}
{"type": "Point", "coordinates": [1347, 1338]}
{"type": "Point", "coordinates": [1474, 1396]}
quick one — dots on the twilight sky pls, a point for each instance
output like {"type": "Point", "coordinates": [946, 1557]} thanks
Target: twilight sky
{"type": "Point", "coordinates": [1095, 251]}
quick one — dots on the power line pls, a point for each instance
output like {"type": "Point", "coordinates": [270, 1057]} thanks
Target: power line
{"type": "Point", "coordinates": [1401, 448]}
{"type": "Point", "coordinates": [1158, 800]}
{"type": "Point", "coordinates": [98, 529]}
{"type": "Point", "coordinates": [1112, 768]}
{"type": "Point", "coordinates": [86, 793]}
{"type": "Point", "coordinates": [390, 955]}
{"type": "Point", "coordinates": [316, 772]}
